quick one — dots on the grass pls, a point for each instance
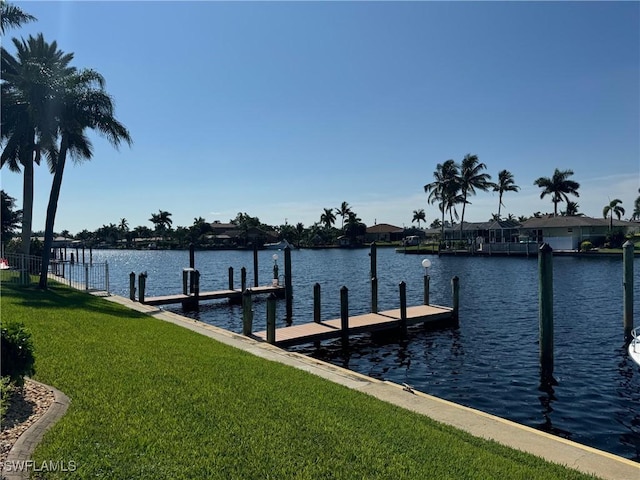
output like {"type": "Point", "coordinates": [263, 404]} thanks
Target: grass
{"type": "Point", "coordinates": [153, 400]}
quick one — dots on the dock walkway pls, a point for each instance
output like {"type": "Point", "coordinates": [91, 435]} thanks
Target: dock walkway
{"type": "Point", "coordinates": [278, 290]}
{"type": "Point", "coordinates": [369, 322]}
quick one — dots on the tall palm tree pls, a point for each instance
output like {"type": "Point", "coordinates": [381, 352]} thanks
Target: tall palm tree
{"type": "Point", "coordinates": [12, 16]}
{"type": "Point", "coordinates": [614, 208]}
{"type": "Point", "coordinates": [505, 183]}
{"type": "Point", "coordinates": [30, 82]}
{"type": "Point", "coordinates": [343, 211]}
{"type": "Point", "coordinates": [559, 187]}
{"type": "Point", "coordinates": [572, 210]}
{"type": "Point", "coordinates": [444, 189]}
{"type": "Point", "coordinates": [10, 218]}
{"type": "Point", "coordinates": [81, 104]}
{"type": "Point", "coordinates": [328, 217]}
{"type": "Point", "coordinates": [471, 179]}
{"type": "Point", "coordinates": [419, 216]}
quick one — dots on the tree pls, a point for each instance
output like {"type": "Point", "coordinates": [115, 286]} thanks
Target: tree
{"type": "Point", "coordinates": [328, 218]}
{"type": "Point", "coordinates": [9, 216]}
{"type": "Point", "coordinates": [343, 211]}
{"type": "Point", "coordinates": [30, 83]}
{"type": "Point", "coordinates": [419, 216]}
{"type": "Point", "coordinates": [12, 16]}
{"type": "Point", "coordinates": [571, 210]}
{"type": "Point", "coordinates": [436, 224]}
{"type": "Point", "coordinates": [471, 179]}
{"type": "Point", "coordinates": [445, 189]}
{"type": "Point", "coordinates": [505, 183]}
{"type": "Point", "coordinates": [636, 208]}
{"type": "Point", "coordinates": [614, 208]}
{"type": "Point", "coordinates": [559, 187]}
{"type": "Point", "coordinates": [161, 222]}
{"type": "Point", "coordinates": [81, 104]}
{"type": "Point", "coordinates": [354, 228]}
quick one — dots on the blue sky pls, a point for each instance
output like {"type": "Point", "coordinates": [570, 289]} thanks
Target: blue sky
{"type": "Point", "coordinates": [280, 109]}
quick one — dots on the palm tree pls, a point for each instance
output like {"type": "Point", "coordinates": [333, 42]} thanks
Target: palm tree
{"type": "Point", "coordinates": [81, 104]}
{"type": "Point", "coordinates": [30, 82]}
{"type": "Point", "coordinates": [471, 179]}
{"type": "Point", "coordinates": [444, 189]}
{"type": "Point", "coordinates": [10, 218]}
{"type": "Point", "coordinates": [572, 210]}
{"type": "Point", "coordinates": [505, 184]}
{"type": "Point", "coordinates": [328, 217]}
{"type": "Point", "coordinates": [559, 187]}
{"type": "Point", "coordinates": [419, 216]}
{"type": "Point", "coordinates": [12, 16]}
{"type": "Point", "coordinates": [343, 211]}
{"type": "Point", "coordinates": [614, 207]}
{"type": "Point", "coordinates": [636, 208]}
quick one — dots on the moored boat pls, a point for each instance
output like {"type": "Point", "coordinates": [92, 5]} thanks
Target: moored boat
{"type": "Point", "coordinates": [281, 245]}
{"type": "Point", "coordinates": [634, 345]}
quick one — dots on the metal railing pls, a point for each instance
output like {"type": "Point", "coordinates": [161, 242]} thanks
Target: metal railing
{"type": "Point", "coordinates": [25, 269]}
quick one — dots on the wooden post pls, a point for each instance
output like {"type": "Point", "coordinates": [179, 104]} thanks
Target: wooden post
{"type": "Point", "coordinates": [132, 286]}
{"type": "Point", "coordinates": [243, 279]}
{"type": "Point", "coordinates": [627, 283]}
{"type": "Point", "coordinates": [373, 254]}
{"type": "Point", "coordinates": [455, 292]}
{"type": "Point", "coordinates": [344, 315]}
{"type": "Point", "coordinates": [427, 279]}
{"type": "Point", "coordinates": [403, 306]}
{"type": "Point", "coordinates": [192, 256]}
{"type": "Point", "coordinates": [142, 282]}
{"type": "Point", "coordinates": [185, 282]}
{"type": "Point", "coordinates": [192, 266]}
{"type": "Point", "coordinates": [545, 307]}
{"type": "Point", "coordinates": [255, 265]}
{"type": "Point", "coordinates": [247, 312]}
{"type": "Point", "coordinates": [316, 303]}
{"type": "Point", "coordinates": [374, 295]}
{"type": "Point", "coordinates": [196, 285]}
{"type": "Point", "coordinates": [287, 283]}
{"type": "Point", "coordinates": [231, 278]}
{"type": "Point", "coordinates": [271, 318]}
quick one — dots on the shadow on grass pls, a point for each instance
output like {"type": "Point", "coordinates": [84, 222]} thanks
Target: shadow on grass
{"type": "Point", "coordinates": [61, 297]}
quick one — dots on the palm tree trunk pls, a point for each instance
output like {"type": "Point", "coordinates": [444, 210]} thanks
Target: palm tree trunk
{"type": "Point", "coordinates": [27, 205]}
{"type": "Point", "coordinates": [499, 204]}
{"type": "Point", "coordinates": [51, 212]}
{"type": "Point", "coordinates": [464, 205]}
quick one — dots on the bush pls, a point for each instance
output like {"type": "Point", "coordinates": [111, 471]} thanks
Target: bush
{"type": "Point", "coordinates": [5, 393]}
{"type": "Point", "coordinates": [586, 246]}
{"type": "Point", "coordinates": [17, 353]}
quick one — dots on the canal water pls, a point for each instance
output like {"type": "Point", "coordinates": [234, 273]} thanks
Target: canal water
{"type": "Point", "coordinates": [489, 363]}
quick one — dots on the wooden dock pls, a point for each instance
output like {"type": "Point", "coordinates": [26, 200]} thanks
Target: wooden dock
{"type": "Point", "coordinates": [234, 295]}
{"type": "Point", "coordinates": [369, 322]}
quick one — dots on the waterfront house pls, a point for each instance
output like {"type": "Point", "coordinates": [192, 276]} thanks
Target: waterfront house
{"type": "Point", "coordinates": [479, 233]}
{"type": "Point", "coordinates": [384, 232]}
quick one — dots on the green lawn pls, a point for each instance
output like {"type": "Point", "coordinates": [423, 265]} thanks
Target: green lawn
{"type": "Point", "coordinates": [150, 400]}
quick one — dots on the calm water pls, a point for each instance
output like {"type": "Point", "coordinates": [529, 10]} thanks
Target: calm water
{"type": "Point", "coordinates": [489, 363]}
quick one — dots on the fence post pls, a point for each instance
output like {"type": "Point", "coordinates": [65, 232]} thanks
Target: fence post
{"type": "Point", "coordinates": [403, 306]}
{"type": "Point", "coordinates": [316, 303]}
{"type": "Point", "coordinates": [86, 277]}
{"type": "Point", "coordinates": [230, 278]}
{"type": "Point", "coordinates": [142, 282]}
{"type": "Point", "coordinates": [132, 286]}
{"type": "Point", "coordinates": [344, 315]}
{"type": "Point", "coordinates": [106, 274]}
{"type": "Point", "coordinates": [627, 282]}
{"type": "Point", "coordinates": [247, 312]}
{"type": "Point", "coordinates": [545, 307]}
{"type": "Point", "coordinates": [271, 318]}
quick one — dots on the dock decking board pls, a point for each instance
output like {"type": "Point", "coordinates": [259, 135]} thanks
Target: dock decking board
{"type": "Point", "coordinates": [368, 322]}
{"type": "Point", "coordinates": [216, 295]}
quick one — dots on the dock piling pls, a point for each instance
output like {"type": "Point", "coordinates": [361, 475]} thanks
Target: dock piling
{"type": "Point", "coordinates": [344, 315]}
{"type": "Point", "coordinates": [288, 287]}
{"type": "Point", "coordinates": [403, 306]}
{"type": "Point", "coordinates": [316, 303]}
{"type": "Point", "coordinates": [374, 295]}
{"type": "Point", "coordinates": [545, 306]}
{"type": "Point", "coordinates": [255, 265]}
{"type": "Point", "coordinates": [373, 255]}
{"type": "Point", "coordinates": [455, 292]}
{"type": "Point", "coordinates": [142, 281]}
{"type": "Point", "coordinates": [132, 286]}
{"type": "Point", "coordinates": [627, 285]}
{"type": "Point", "coordinates": [247, 312]}
{"type": "Point", "coordinates": [426, 289]}
{"type": "Point", "coordinates": [271, 319]}
{"type": "Point", "coordinates": [231, 278]}
{"type": "Point", "coordinates": [243, 279]}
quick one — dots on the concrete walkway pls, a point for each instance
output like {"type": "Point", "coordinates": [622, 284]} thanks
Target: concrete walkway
{"type": "Point", "coordinates": [480, 424]}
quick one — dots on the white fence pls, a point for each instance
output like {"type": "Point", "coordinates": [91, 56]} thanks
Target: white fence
{"type": "Point", "coordinates": [25, 269]}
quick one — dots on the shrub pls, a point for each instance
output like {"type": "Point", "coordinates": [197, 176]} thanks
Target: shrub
{"type": "Point", "coordinates": [16, 353]}
{"type": "Point", "coordinates": [586, 246]}
{"type": "Point", "coordinates": [5, 393]}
